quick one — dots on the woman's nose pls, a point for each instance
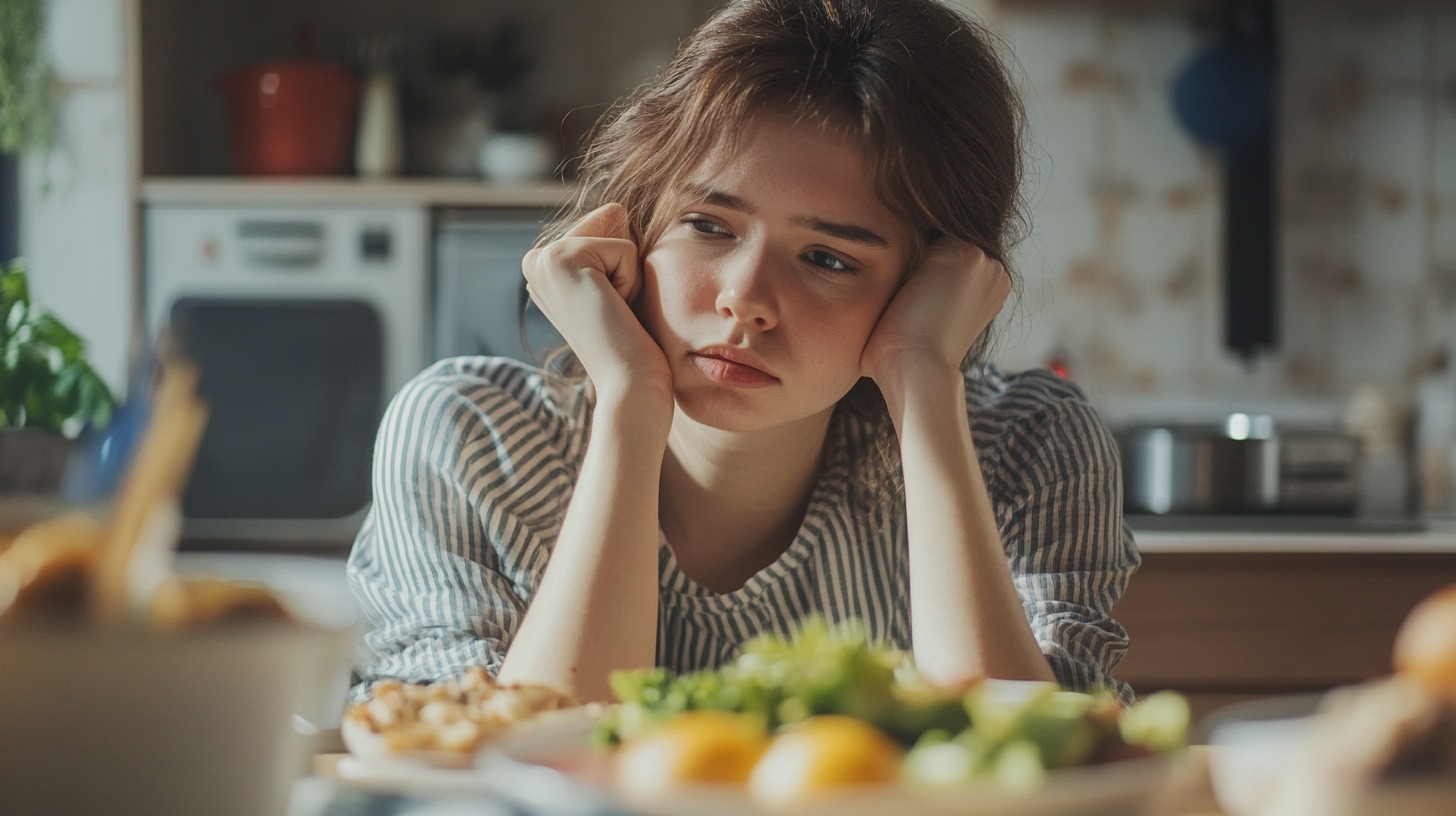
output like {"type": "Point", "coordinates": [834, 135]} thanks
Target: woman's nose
{"type": "Point", "coordinates": [746, 294]}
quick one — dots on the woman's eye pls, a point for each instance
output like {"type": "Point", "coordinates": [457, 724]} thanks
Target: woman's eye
{"type": "Point", "coordinates": [829, 261]}
{"type": "Point", "coordinates": [705, 226]}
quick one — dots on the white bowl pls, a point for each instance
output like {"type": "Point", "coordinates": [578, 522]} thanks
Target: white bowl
{"type": "Point", "coordinates": [141, 722]}
{"type": "Point", "coordinates": [1254, 745]}
{"type": "Point", "coordinates": [516, 157]}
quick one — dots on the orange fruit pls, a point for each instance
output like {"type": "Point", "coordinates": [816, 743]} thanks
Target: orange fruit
{"type": "Point", "coordinates": [821, 756]}
{"type": "Point", "coordinates": [1425, 646]}
{"type": "Point", "coordinates": [691, 748]}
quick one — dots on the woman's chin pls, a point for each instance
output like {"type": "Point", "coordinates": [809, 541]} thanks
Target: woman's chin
{"type": "Point", "coordinates": [743, 412]}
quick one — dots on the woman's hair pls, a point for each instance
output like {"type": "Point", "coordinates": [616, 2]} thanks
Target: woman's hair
{"type": "Point", "coordinates": [920, 86]}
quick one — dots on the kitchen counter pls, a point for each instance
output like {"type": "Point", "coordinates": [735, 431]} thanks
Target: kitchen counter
{"type": "Point", "coordinates": [1435, 537]}
{"type": "Point", "coordinates": [428, 192]}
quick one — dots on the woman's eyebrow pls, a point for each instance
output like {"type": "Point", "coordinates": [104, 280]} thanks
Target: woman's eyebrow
{"type": "Point", "coordinates": [707, 195]}
{"type": "Point", "coordinates": [845, 232]}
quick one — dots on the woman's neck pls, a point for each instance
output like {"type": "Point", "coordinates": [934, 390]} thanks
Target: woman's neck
{"type": "Point", "coordinates": [732, 502]}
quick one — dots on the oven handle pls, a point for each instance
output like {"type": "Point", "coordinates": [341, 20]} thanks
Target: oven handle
{"type": "Point", "coordinates": [281, 244]}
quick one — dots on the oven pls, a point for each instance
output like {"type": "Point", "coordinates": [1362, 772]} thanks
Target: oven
{"type": "Point", "coordinates": [303, 321]}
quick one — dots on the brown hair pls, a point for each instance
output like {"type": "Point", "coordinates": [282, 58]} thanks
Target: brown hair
{"type": "Point", "coordinates": [921, 86]}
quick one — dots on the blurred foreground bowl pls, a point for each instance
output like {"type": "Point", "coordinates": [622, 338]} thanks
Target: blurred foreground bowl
{"type": "Point", "coordinates": [1253, 745]}
{"type": "Point", "coordinates": [138, 722]}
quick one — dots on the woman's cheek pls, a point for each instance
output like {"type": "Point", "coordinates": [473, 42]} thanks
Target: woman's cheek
{"type": "Point", "coordinates": [664, 294]}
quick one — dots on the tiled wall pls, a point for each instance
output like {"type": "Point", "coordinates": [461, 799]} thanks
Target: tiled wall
{"type": "Point", "coordinates": [1123, 267]}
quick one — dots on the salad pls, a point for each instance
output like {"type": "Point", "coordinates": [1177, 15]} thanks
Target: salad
{"type": "Point", "coordinates": [824, 708]}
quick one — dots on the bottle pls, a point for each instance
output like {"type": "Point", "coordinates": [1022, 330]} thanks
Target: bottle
{"type": "Point", "coordinates": [1435, 436]}
{"type": "Point", "coordinates": [1376, 419]}
{"type": "Point", "coordinates": [378, 148]}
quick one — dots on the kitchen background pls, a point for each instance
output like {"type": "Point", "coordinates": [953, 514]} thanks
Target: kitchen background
{"type": "Point", "coordinates": [1122, 266]}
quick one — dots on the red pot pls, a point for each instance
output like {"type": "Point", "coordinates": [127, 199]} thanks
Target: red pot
{"type": "Point", "coordinates": [292, 117]}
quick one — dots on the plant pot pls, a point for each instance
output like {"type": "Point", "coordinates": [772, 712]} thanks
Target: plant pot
{"type": "Point", "coordinates": [32, 460]}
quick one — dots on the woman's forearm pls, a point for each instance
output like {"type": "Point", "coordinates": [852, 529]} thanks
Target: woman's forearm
{"type": "Point", "coordinates": [595, 610]}
{"type": "Point", "coordinates": [966, 617]}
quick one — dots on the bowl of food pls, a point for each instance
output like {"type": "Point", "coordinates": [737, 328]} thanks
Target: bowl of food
{"type": "Point", "coordinates": [188, 709]}
{"type": "Point", "coordinates": [824, 722]}
{"type": "Point", "coordinates": [1384, 745]}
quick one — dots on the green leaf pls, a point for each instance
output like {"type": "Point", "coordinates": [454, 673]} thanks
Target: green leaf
{"type": "Point", "coordinates": [14, 287]}
{"type": "Point", "coordinates": [45, 380]}
{"type": "Point", "coordinates": [51, 331]}
{"type": "Point", "coordinates": [97, 404]}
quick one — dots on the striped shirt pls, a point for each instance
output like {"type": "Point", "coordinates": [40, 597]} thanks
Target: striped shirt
{"type": "Point", "coordinates": [477, 458]}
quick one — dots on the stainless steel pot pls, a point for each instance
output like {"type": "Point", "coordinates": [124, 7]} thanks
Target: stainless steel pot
{"type": "Point", "coordinates": [1198, 469]}
{"type": "Point", "coordinates": [1240, 466]}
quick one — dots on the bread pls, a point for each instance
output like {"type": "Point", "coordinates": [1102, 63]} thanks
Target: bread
{"type": "Point", "coordinates": [443, 722]}
{"type": "Point", "coordinates": [45, 574]}
{"type": "Point", "coordinates": [183, 603]}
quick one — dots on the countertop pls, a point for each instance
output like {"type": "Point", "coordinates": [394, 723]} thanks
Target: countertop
{"type": "Point", "coordinates": [1436, 536]}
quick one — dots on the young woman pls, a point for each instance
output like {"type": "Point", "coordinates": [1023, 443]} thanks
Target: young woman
{"type": "Point", "coordinates": [778, 280]}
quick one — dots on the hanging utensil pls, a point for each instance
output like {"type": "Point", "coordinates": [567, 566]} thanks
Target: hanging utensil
{"type": "Point", "coordinates": [1226, 98]}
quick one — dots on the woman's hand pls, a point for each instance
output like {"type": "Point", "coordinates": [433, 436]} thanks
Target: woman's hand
{"type": "Point", "coordinates": [586, 282]}
{"type": "Point", "coordinates": [943, 305]}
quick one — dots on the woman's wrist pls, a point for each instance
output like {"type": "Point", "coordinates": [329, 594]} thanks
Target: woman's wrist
{"type": "Point", "coordinates": [641, 415]}
{"type": "Point", "coordinates": [913, 384]}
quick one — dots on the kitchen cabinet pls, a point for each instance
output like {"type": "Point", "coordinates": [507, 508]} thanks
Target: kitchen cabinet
{"type": "Point", "coordinates": [1224, 626]}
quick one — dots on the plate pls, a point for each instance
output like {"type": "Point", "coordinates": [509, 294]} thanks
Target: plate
{"type": "Point", "coordinates": [559, 765]}
{"type": "Point", "coordinates": [1294, 754]}
{"type": "Point", "coordinates": [369, 755]}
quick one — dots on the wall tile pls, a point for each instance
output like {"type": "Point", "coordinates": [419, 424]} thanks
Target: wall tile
{"type": "Point", "coordinates": [1375, 336]}
{"type": "Point", "coordinates": [1149, 144]}
{"type": "Point", "coordinates": [1382, 37]}
{"type": "Point", "coordinates": [1305, 41]}
{"type": "Point", "coordinates": [1152, 45]}
{"type": "Point", "coordinates": [1044, 41]}
{"type": "Point", "coordinates": [1127, 224]}
{"type": "Point", "coordinates": [1065, 155]}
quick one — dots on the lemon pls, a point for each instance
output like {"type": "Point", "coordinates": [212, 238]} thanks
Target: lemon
{"type": "Point", "coordinates": [691, 748]}
{"type": "Point", "coordinates": [823, 755]}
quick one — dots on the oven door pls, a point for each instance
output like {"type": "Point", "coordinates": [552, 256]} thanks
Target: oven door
{"type": "Point", "coordinates": [293, 388]}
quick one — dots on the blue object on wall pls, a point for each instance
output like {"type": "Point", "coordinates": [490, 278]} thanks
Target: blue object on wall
{"type": "Point", "coordinates": [1225, 95]}
{"type": "Point", "coordinates": [1226, 98]}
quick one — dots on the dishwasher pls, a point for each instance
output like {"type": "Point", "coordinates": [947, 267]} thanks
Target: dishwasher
{"type": "Point", "coordinates": [481, 304]}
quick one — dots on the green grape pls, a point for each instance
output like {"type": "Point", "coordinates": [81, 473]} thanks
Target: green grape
{"type": "Point", "coordinates": [1018, 766]}
{"type": "Point", "coordinates": [1158, 722]}
{"type": "Point", "coordinates": [1059, 727]}
{"type": "Point", "coordinates": [940, 764]}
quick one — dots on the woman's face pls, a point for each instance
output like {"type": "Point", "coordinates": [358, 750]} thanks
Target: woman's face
{"type": "Point", "coordinates": [773, 268]}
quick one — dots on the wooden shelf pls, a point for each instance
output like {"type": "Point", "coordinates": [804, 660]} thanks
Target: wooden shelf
{"type": "Point", "coordinates": [429, 192]}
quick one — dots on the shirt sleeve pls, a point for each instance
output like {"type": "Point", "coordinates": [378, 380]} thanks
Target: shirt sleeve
{"type": "Point", "coordinates": [427, 567]}
{"type": "Point", "coordinates": [1071, 554]}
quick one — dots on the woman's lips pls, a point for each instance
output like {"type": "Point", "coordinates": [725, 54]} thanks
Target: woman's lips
{"type": "Point", "coordinates": [728, 372]}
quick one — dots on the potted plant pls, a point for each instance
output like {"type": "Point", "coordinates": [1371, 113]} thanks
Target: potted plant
{"type": "Point", "coordinates": [49, 393]}
{"type": "Point", "coordinates": [27, 81]}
